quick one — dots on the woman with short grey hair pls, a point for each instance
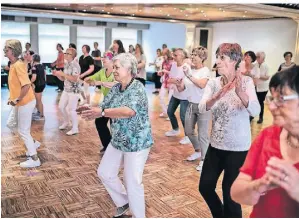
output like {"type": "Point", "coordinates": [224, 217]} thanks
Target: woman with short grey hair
{"type": "Point", "coordinates": [21, 97]}
{"type": "Point", "coordinates": [127, 105]}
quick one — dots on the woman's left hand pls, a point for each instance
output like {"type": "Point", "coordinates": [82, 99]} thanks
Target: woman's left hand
{"type": "Point", "coordinates": [285, 175]}
{"type": "Point", "coordinates": [93, 113]}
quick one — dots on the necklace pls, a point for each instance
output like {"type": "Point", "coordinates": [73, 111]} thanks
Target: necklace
{"type": "Point", "coordinates": [127, 86]}
{"type": "Point", "coordinates": [291, 144]}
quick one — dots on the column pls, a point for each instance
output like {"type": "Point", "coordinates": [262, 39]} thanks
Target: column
{"type": "Point", "coordinates": [73, 34]}
{"type": "Point", "coordinates": [34, 37]}
{"type": "Point", "coordinates": [139, 37]}
{"type": "Point", "coordinates": [108, 38]}
{"type": "Point", "coordinates": [296, 55]}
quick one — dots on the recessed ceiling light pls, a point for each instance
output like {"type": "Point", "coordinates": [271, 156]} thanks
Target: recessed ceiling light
{"type": "Point", "coordinates": [220, 9]}
{"type": "Point", "coordinates": [196, 8]}
{"type": "Point", "coordinates": [181, 10]}
{"type": "Point", "coordinates": [91, 8]}
{"type": "Point", "coordinates": [55, 8]}
{"type": "Point", "coordinates": [223, 11]}
{"type": "Point", "coordinates": [174, 8]}
{"type": "Point", "coordinates": [205, 15]}
{"type": "Point", "coordinates": [244, 16]}
{"type": "Point", "coordinates": [140, 10]}
{"type": "Point", "coordinates": [84, 10]}
{"type": "Point", "coordinates": [103, 10]}
{"type": "Point", "coordinates": [168, 15]}
{"type": "Point", "coordinates": [111, 8]}
{"type": "Point", "coordinates": [201, 11]}
{"type": "Point", "coordinates": [108, 12]}
{"type": "Point", "coordinates": [153, 8]}
{"type": "Point", "coordinates": [160, 10]}
{"type": "Point", "coordinates": [245, 11]}
{"type": "Point", "coordinates": [186, 15]}
{"type": "Point", "coordinates": [121, 10]}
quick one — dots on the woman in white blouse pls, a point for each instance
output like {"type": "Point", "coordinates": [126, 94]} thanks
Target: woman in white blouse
{"type": "Point", "coordinates": [195, 83]}
{"type": "Point", "coordinates": [231, 98]}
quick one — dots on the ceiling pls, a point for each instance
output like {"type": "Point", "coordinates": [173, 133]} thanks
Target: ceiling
{"type": "Point", "coordinates": [174, 12]}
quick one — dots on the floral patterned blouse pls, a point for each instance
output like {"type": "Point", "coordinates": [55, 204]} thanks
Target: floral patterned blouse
{"type": "Point", "coordinates": [230, 120]}
{"type": "Point", "coordinates": [130, 134]}
{"type": "Point", "coordinates": [167, 66]}
{"type": "Point", "coordinates": [72, 68]}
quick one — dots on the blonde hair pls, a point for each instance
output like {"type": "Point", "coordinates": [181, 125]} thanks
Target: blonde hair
{"type": "Point", "coordinates": [201, 52]}
{"type": "Point", "coordinates": [74, 52]}
{"type": "Point", "coordinates": [15, 46]}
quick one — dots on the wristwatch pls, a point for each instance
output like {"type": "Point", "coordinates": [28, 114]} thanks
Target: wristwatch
{"type": "Point", "coordinates": [103, 113]}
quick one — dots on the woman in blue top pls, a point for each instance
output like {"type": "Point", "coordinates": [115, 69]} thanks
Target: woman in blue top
{"type": "Point", "coordinates": [127, 105]}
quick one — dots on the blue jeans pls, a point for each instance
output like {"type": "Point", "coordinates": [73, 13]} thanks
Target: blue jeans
{"type": "Point", "coordinates": [173, 105]}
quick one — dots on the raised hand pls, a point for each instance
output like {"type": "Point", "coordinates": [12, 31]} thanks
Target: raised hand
{"type": "Point", "coordinates": [91, 114]}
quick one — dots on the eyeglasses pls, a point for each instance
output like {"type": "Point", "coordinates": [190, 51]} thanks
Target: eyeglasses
{"type": "Point", "coordinates": [280, 100]}
{"type": "Point", "coordinates": [67, 53]}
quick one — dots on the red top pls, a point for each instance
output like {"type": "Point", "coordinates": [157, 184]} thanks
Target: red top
{"type": "Point", "coordinates": [60, 60]}
{"type": "Point", "coordinates": [275, 203]}
{"type": "Point", "coordinates": [167, 66]}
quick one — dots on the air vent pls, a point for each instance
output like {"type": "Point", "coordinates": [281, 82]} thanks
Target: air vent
{"type": "Point", "coordinates": [57, 21]}
{"type": "Point", "coordinates": [7, 18]}
{"type": "Point", "coordinates": [101, 23]}
{"type": "Point", "coordinates": [122, 24]}
{"type": "Point", "coordinates": [77, 21]}
{"type": "Point", "coordinates": [31, 19]}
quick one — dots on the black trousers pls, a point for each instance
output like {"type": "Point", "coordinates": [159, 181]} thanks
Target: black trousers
{"type": "Point", "coordinates": [157, 80]}
{"type": "Point", "coordinates": [59, 83]}
{"type": "Point", "coordinates": [103, 130]}
{"type": "Point", "coordinates": [141, 80]}
{"type": "Point", "coordinates": [261, 97]}
{"type": "Point", "coordinates": [215, 163]}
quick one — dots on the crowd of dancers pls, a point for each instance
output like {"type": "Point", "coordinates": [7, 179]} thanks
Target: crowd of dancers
{"type": "Point", "coordinates": [263, 173]}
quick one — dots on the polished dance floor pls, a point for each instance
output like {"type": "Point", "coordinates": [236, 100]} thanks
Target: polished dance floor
{"type": "Point", "coordinates": [67, 185]}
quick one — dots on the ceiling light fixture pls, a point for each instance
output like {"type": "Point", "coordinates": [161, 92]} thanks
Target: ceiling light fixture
{"type": "Point", "coordinates": [186, 15]}
{"type": "Point", "coordinates": [220, 9]}
{"type": "Point", "coordinates": [133, 14]}
{"type": "Point", "coordinates": [108, 12]}
{"type": "Point", "coordinates": [111, 8]}
{"type": "Point", "coordinates": [174, 8]}
{"type": "Point", "coordinates": [201, 11]}
{"type": "Point", "coordinates": [103, 10]}
{"type": "Point", "coordinates": [121, 10]}
{"type": "Point", "coordinates": [223, 11]}
{"type": "Point", "coordinates": [160, 10]}
{"type": "Point", "coordinates": [168, 15]}
{"type": "Point", "coordinates": [153, 8]}
{"type": "Point", "coordinates": [140, 10]}
{"type": "Point", "coordinates": [181, 10]}
{"type": "Point", "coordinates": [244, 16]}
{"type": "Point", "coordinates": [196, 8]}
{"type": "Point", "coordinates": [55, 8]}
{"type": "Point", "coordinates": [245, 11]}
{"type": "Point", "coordinates": [84, 10]}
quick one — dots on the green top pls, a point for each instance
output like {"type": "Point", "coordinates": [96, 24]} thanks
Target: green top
{"type": "Point", "coordinates": [101, 76]}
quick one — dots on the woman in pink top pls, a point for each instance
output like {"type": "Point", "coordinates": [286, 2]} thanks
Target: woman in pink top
{"type": "Point", "coordinates": [166, 65]}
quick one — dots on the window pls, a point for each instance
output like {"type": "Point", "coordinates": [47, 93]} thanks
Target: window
{"type": "Point", "coordinates": [49, 35]}
{"type": "Point", "coordinates": [13, 30]}
{"type": "Point", "coordinates": [127, 36]}
{"type": "Point", "coordinates": [89, 35]}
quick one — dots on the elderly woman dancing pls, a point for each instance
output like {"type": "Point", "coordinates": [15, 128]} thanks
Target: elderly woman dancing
{"type": "Point", "coordinates": [231, 98]}
{"type": "Point", "coordinates": [127, 105]}
{"type": "Point", "coordinates": [269, 178]}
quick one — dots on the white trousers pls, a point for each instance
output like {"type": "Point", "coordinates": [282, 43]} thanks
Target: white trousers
{"type": "Point", "coordinates": [68, 105]}
{"type": "Point", "coordinates": [133, 191]}
{"type": "Point", "coordinates": [24, 114]}
{"type": "Point", "coordinates": [162, 93]}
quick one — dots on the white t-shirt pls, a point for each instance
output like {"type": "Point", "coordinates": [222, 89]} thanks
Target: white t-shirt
{"type": "Point", "coordinates": [195, 93]}
{"type": "Point", "coordinates": [178, 73]}
{"type": "Point", "coordinates": [263, 86]}
{"type": "Point", "coordinates": [141, 73]}
{"type": "Point", "coordinates": [158, 62]}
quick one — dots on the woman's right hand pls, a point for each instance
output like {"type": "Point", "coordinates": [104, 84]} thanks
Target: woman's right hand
{"type": "Point", "coordinates": [221, 93]}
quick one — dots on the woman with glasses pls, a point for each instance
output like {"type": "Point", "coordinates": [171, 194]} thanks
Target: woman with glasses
{"type": "Point", "coordinates": [22, 99]}
{"type": "Point", "coordinates": [269, 178]}
{"type": "Point", "coordinates": [195, 82]}
{"type": "Point", "coordinates": [105, 79]}
{"type": "Point", "coordinates": [231, 98]}
{"type": "Point", "coordinates": [70, 96]}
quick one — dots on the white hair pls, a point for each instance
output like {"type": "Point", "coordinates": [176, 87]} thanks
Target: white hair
{"type": "Point", "coordinates": [129, 61]}
{"type": "Point", "coordinates": [261, 54]}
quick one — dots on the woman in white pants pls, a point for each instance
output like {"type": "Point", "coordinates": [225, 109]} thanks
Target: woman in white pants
{"type": "Point", "coordinates": [71, 93]}
{"type": "Point", "coordinates": [21, 97]}
{"type": "Point", "coordinates": [195, 83]}
{"type": "Point", "coordinates": [127, 105]}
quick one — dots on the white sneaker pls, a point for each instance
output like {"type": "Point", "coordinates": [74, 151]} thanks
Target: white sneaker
{"type": "Point", "coordinates": [30, 163]}
{"type": "Point", "coordinates": [200, 165]}
{"type": "Point", "coordinates": [64, 126]}
{"type": "Point", "coordinates": [167, 119]}
{"type": "Point", "coordinates": [194, 156]}
{"type": "Point", "coordinates": [163, 115]}
{"type": "Point", "coordinates": [38, 118]}
{"type": "Point", "coordinates": [172, 133]}
{"type": "Point", "coordinates": [71, 132]}
{"type": "Point", "coordinates": [37, 144]}
{"type": "Point", "coordinates": [185, 140]}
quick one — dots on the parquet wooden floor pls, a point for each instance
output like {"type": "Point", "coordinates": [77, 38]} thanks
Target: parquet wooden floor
{"type": "Point", "coordinates": [66, 185]}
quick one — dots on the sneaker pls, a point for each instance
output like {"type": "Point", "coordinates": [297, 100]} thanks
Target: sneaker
{"type": "Point", "coordinates": [30, 163]}
{"type": "Point", "coordinates": [102, 150]}
{"type": "Point", "coordinates": [71, 132]}
{"type": "Point", "coordinates": [163, 115]}
{"type": "Point", "coordinates": [167, 119]}
{"type": "Point", "coordinates": [200, 165]}
{"type": "Point", "coordinates": [172, 133]}
{"type": "Point", "coordinates": [38, 118]}
{"type": "Point", "coordinates": [37, 144]}
{"type": "Point", "coordinates": [156, 92]}
{"type": "Point", "coordinates": [121, 210]}
{"type": "Point", "coordinates": [185, 140]}
{"type": "Point", "coordinates": [194, 156]}
{"type": "Point", "coordinates": [64, 126]}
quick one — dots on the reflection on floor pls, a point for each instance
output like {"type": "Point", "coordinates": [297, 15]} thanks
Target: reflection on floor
{"type": "Point", "coordinates": [66, 185]}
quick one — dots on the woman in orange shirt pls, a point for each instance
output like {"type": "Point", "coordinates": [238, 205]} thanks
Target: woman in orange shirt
{"type": "Point", "coordinates": [21, 97]}
{"type": "Point", "coordinates": [58, 65]}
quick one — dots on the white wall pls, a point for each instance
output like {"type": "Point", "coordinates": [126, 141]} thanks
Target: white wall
{"type": "Point", "coordinates": [274, 37]}
{"type": "Point", "coordinates": [174, 35]}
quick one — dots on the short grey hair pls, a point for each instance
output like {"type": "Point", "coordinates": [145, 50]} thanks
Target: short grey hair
{"type": "Point", "coordinates": [15, 46]}
{"type": "Point", "coordinates": [129, 61]}
{"type": "Point", "coordinates": [261, 54]}
{"type": "Point", "coordinates": [185, 54]}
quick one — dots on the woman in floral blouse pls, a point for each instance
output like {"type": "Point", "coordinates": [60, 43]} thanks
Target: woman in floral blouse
{"type": "Point", "coordinates": [231, 98]}
{"type": "Point", "coordinates": [71, 93]}
{"type": "Point", "coordinates": [127, 105]}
